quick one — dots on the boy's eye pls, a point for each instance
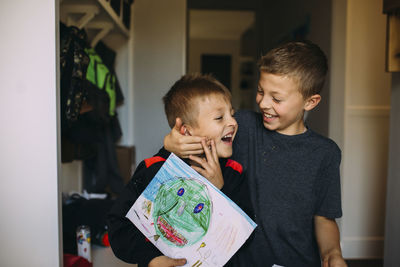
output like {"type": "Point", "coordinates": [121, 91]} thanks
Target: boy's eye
{"type": "Point", "coordinates": [277, 100]}
{"type": "Point", "coordinates": [218, 118]}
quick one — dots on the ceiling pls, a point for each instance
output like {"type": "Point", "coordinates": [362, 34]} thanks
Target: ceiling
{"type": "Point", "coordinates": [219, 24]}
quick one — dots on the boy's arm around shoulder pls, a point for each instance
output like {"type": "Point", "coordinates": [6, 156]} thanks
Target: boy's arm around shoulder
{"type": "Point", "coordinates": [328, 239]}
{"type": "Point", "coordinates": [127, 242]}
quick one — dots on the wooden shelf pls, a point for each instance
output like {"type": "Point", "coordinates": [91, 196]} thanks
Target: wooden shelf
{"type": "Point", "coordinates": [94, 15]}
{"type": "Point", "coordinates": [117, 19]}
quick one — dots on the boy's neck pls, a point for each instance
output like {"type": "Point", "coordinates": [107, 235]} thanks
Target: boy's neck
{"type": "Point", "coordinates": [295, 130]}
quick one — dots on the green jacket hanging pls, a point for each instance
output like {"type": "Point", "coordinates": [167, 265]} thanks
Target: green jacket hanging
{"type": "Point", "coordinates": [98, 74]}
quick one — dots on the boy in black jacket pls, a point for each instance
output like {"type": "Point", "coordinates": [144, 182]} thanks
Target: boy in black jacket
{"type": "Point", "coordinates": [204, 106]}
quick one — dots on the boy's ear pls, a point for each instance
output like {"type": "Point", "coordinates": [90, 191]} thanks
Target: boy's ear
{"type": "Point", "coordinates": [184, 130]}
{"type": "Point", "coordinates": [312, 102]}
{"type": "Point", "coordinates": [178, 123]}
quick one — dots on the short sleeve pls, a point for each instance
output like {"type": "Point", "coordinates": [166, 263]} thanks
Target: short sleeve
{"type": "Point", "coordinates": [328, 189]}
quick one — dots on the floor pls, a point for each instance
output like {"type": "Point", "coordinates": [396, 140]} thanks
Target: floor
{"type": "Point", "coordinates": [365, 263]}
{"type": "Point", "coordinates": [104, 257]}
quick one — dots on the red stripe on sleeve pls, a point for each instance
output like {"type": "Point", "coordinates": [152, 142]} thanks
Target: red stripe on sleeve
{"type": "Point", "coordinates": [151, 161]}
{"type": "Point", "coordinates": [234, 165]}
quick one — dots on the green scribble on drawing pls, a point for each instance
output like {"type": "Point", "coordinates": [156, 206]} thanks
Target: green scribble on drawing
{"type": "Point", "coordinates": [182, 211]}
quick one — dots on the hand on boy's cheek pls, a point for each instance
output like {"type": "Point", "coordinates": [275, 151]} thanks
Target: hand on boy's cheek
{"type": "Point", "coordinates": [208, 143]}
{"type": "Point", "coordinates": [209, 166]}
{"type": "Point", "coordinates": [181, 145]}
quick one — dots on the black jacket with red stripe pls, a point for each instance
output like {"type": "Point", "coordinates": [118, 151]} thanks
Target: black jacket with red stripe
{"type": "Point", "coordinates": [127, 242]}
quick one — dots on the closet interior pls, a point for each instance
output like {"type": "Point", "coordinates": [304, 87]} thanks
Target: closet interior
{"type": "Point", "coordinates": [96, 65]}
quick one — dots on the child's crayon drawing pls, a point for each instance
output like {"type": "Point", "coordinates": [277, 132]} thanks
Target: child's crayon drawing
{"type": "Point", "coordinates": [184, 215]}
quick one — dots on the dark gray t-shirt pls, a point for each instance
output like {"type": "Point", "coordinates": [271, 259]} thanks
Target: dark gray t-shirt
{"type": "Point", "coordinates": [291, 179]}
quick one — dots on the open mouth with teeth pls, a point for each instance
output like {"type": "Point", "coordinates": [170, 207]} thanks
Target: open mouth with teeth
{"type": "Point", "coordinates": [227, 138]}
{"type": "Point", "coordinates": [170, 233]}
{"type": "Point", "coordinates": [269, 116]}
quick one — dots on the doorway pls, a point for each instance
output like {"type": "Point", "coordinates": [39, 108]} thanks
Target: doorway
{"type": "Point", "coordinates": [221, 42]}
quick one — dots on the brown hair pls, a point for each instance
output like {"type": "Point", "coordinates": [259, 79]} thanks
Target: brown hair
{"type": "Point", "coordinates": [180, 99]}
{"type": "Point", "coordinates": [302, 61]}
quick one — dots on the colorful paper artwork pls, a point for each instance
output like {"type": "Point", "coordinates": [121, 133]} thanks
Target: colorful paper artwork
{"type": "Point", "coordinates": [184, 215]}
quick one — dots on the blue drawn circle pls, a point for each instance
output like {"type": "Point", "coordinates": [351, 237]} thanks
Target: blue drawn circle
{"type": "Point", "coordinates": [181, 191]}
{"type": "Point", "coordinates": [198, 208]}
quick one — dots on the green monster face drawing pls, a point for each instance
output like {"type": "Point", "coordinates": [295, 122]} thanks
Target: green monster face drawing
{"type": "Point", "coordinates": [182, 212]}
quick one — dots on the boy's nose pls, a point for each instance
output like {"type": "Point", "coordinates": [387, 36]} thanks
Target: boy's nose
{"type": "Point", "coordinates": [232, 121]}
{"type": "Point", "coordinates": [265, 103]}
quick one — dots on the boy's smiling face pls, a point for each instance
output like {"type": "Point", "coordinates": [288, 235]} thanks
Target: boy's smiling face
{"type": "Point", "coordinates": [215, 121]}
{"type": "Point", "coordinates": [282, 104]}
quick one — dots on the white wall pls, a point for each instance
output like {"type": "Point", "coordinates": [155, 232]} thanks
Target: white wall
{"type": "Point", "coordinates": [392, 229]}
{"type": "Point", "coordinates": [337, 71]}
{"type": "Point", "coordinates": [366, 126]}
{"type": "Point", "coordinates": [159, 60]}
{"type": "Point", "coordinates": [29, 155]}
